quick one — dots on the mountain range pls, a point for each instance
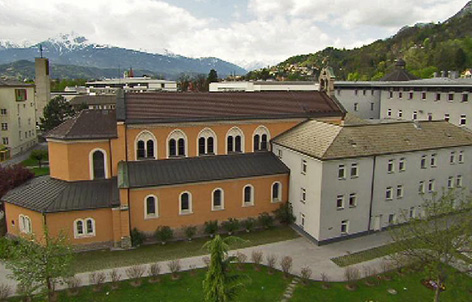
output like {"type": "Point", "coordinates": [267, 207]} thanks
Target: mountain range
{"type": "Point", "coordinates": [76, 50]}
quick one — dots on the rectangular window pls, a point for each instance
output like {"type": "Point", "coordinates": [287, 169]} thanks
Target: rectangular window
{"type": "Point", "coordinates": [388, 193]}
{"type": "Point", "coordinates": [421, 187]}
{"type": "Point", "coordinates": [304, 166]}
{"type": "Point", "coordinates": [303, 195]}
{"type": "Point", "coordinates": [344, 226]}
{"type": "Point", "coordinates": [352, 200]}
{"type": "Point", "coordinates": [412, 212]}
{"type": "Point", "coordinates": [446, 117]}
{"type": "Point", "coordinates": [371, 106]}
{"type": "Point", "coordinates": [400, 113]}
{"type": "Point", "coordinates": [391, 219]}
{"type": "Point", "coordinates": [463, 119]}
{"type": "Point", "coordinates": [4, 126]}
{"type": "Point", "coordinates": [341, 172]}
{"type": "Point", "coordinates": [390, 94]}
{"type": "Point", "coordinates": [354, 170]}
{"type": "Point", "coordinates": [414, 116]}
{"type": "Point", "coordinates": [431, 185]}
{"type": "Point", "coordinates": [450, 97]}
{"type": "Point", "coordinates": [452, 158]}
{"type": "Point", "coordinates": [20, 95]}
{"type": "Point", "coordinates": [390, 168]}
{"type": "Point", "coordinates": [459, 181]}
{"type": "Point", "coordinates": [5, 140]}
{"type": "Point", "coordinates": [460, 159]}
{"type": "Point", "coordinates": [433, 160]}
{"type": "Point", "coordinates": [423, 162]}
{"type": "Point", "coordinates": [340, 202]}
{"type": "Point", "coordinates": [279, 153]}
{"type": "Point", "coordinates": [3, 111]}
{"type": "Point", "coordinates": [400, 95]}
{"type": "Point", "coordinates": [389, 112]}
{"type": "Point", "coordinates": [410, 95]}
{"type": "Point", "coordinates": [438, 96]}
{"type": "Point", "coordinates": [423, 95]}
{"type": "Point", "coordinates": [465, 97]}
{"type": "Point", "coordinates": [450, 182]}
{"type": "Point", "coordinates": [356, 106]}
{"type": "Point", "coordinates": [402, 164]}
{"type": "Point", "coordinates": [400, 191]}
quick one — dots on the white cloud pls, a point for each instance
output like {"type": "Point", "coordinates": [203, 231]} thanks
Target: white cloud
{"type": "Point", "coordinates": [271, 30]}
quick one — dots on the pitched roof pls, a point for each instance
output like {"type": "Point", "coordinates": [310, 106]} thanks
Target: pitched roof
{"type": "Point", "coordinates": [93, 99]}
{"type": "Point", "coordinates": [48, 195]}
{"type": "Point", "coordinates": [153, 173]}
{"type": "Point", "coordinates": [184, 107]}
{"type": "Point", "coordinates": [13, 83]}
{"type": "Point", "coordinates": [88, 124]}
{"type": "Point", "coordinates": [326, 141]}
{"type": "Point", "coordinates": [399, 74]}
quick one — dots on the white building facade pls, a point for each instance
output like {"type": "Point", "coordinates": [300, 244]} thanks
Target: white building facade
{"type": "Point", "coordinates": [263, 86]}
{"type": "Point", "coordinates": [132, 84]}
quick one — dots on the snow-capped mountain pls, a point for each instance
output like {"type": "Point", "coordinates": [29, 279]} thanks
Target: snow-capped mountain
{"type": "Point", "coordinates": [73, 49]}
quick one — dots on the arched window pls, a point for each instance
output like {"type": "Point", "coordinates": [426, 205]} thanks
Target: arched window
{"type": "Point", "coordinates": [79, 227]}
{"type": "Point", "coordinates": [146, 146]}
{"type": "Point", "coordinates": [150, 207]}
{"type": "Point", "coordinates": [276, 192]}
{"type": "Point", "coordinates": [90, 224]}
{"type": "Point", "coordinates": [234, 140]}
{"type": "Point", "coordinates": [25, 224]}
{"type": "Point", "coordinates": [217, 200]}
{"type": "Point", "coordinates": [84, 227]}
{"type": "Point", "coordinates": [261, 138]}
{"type": "Point", "coordinates": [206, 142]}
{"type": "Point", "coordinates": [185, 203]}
{"type": "Point", "coordinates": [177, 142]}
{"type": "Point", "coordinates": [98, 167]}
{"type": "Point", "coordinates": [248, 195]}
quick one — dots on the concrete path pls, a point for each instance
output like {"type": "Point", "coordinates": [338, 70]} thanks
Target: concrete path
{"type": "Point", "coordinates": [303, 252]}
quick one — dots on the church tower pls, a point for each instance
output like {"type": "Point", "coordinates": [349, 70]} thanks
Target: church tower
{"type": "Point", "coordinates": [327, 81]}
{"type": "Point", "coordinates": [43, 85]}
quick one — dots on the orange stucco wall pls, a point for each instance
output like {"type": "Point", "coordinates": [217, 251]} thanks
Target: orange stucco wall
{"type": "Point", "coordinates": [12, 213]}
{"type": "Point", "coordinates": [64, 221]}
{"type": "Point", "coordinates": [168, 202]}
{"type": "Point", "coordinates": [161, 132]}
{"type": "Point", "coordinates": [70, 160]}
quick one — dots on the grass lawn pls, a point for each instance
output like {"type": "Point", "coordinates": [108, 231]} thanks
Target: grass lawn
{"type": "Point", "coordinates": [366, 255]}
{"type": "Point", "coordinates": [40, 171]}
{"type": "Point", "coordinates": [29, 162]}
{"type": "Point", "coordinates": [261, 287]}
{"type": "Point", "coordinates": [408, 287]}
{"type": "Point", "coordinates": [103, 259]}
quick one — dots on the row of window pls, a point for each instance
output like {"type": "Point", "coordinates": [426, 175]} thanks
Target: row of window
{"type": "Point", "coordinates": [411, 94]}
{"type": "Point", "coordinates": [151, 205]}
{"type": "Point", "coordinates": [414, 116]}
{"type": "Point", "coordinates": [354, 171]}
{"type": "Point", "coordinates": [398, 191]}
{"type": "Point", "coordinates": [146, 143]}
{"type": "Point", "coordinates": [84, 228]}
{"type": "Point", "coordinates": [351, 198]}
{"type": "Point", "coordinates": [356, 106]}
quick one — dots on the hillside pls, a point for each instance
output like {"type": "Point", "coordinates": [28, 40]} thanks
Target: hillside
{"type": "Point", "coordinates": [426, 48]}
{"type": "Point", "coordinates": [76, 50]}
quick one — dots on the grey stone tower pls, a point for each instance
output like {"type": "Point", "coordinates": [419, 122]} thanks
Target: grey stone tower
{"type": "Point", "coordinates": [43, 85]}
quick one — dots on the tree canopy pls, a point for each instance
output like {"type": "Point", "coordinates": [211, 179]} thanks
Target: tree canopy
{"type": "Point", "coordinates": [55, 112]}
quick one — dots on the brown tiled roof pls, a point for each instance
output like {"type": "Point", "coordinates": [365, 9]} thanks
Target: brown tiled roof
{"type": "Point", "coordinates": [327, 141]}
{"type": "Point", "coordinates": [182, 107]}
{"type": "Point", "coordinates": [88, 124]}
{"type": "Point", "coordinates": [94, 99]}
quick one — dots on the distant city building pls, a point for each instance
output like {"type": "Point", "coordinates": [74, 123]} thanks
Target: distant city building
{"type": "Point", "coordinates": [131, 84]}
{"type": "Point", "coordinates": [264, 86]}
{"type": "Point", "coordinates": [101, 101]}
{"type": "Point", "coordinates": [43, 85]}
{"type": "Point", "coordinates": [17, 118]}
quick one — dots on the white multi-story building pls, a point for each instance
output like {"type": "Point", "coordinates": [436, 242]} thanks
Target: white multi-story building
{"type": "Point", "coordinates": [348, 180]}
{"type": "Point", "coordinates": [17, 117]}
{"type": "Point", "coordinates": [263, 86]}
{"type": "Point", "coordinates": [131, 84]}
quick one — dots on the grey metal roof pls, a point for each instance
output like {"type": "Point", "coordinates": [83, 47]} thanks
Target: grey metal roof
{"type": "Point", "coordinates": [153, 173]}
{"type": "Point", "coordinates": [48, 195]}
{"type": "Point", "coordinates": [94, 99]}
{"type": "Point", "coordinates": [427, 83]}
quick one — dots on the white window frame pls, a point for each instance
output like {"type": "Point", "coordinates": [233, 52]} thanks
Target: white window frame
{"type": "Point", "coordinates": [279, 193]}
{"type": "Point", "coordinates": [303, 195]}
{"type": "Point", "coordinates": [342, 168]}
{"type": "Point", "coordinates": [389, 112]}
{"type": "Point", "coordinates": [402, 165]}
{"type": "Point", "coordinates": [450, 182]}
{"type": "Point", "coordinates": [345, 226]}
{"type": "Point", "coordinates": [156, 207]}
{"type": "Point", "coordinates": [145, 136]}
{"type": "Point", "coordinates": [389, 193]}
{"type": "Point", "coordinates": [400, 191]}
{"type": "Point", "coordinates": [235, 131]}
{"type": "Point", "coordinates": [463, 120]}
{"type": "Point", "coordinates": [423, 164]}
{"type": "Point", "coordinates": [352, 200]}
{"type": "Point", "coordinates": [433, 160]}
{"type": "Point", "coordinates": [392, 219]}
{"type": "Point", "coordinates": [251, 203]}
{"type": "Point", "coordinates": [459, 181]}
{"type": "Point", "coordinates": [105, 162]}
{"type": "Point", "coordinates": [207, 133]}
{"type": "Point", "coordinates": [414, 116]}
{"type": "Point", "coordinates": [421, 187]}
{"type": "Point", "coordinates": [177, 134]}
{"type": "Point", "coordinates": [390, 166]}
{"type": "Point", "coordinates": [304, 167]}
{"type": "Point", "coordinates": [452, 158]}
{"type": "Point", "coordinates": [355, 168]}
{"type": "Point", "coordinates": [190, 206]}
{"type": "Point", "coordinates": [222, 206]}
{"type": "Point", "coordinates": [85, 232]}
{"type": "Point", "coordinates": [260, 130]}
{"type": "Point", "coordinates": [412, 212]}
{"type": "Point", "coordinates": [340, 198]}
{"type": "Point", "coordinates": [460, 158]}
{"type": "Point", "coordinates": [25, 224]}
{"type": "Point", "coordinates": [400, 113]}
{"type": "Point", "coordinates": [431, 185]}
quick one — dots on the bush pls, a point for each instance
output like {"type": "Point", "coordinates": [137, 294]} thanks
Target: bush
{"type": "Point", "coordinates": [324, 280]}
{"type": "Point", "coordinates": [231, 225]}
{"type": "Point", "coordinates": [73, 284]}
{"type": "Point", "coordinates": [284, 213]}
{"type": "Point", "coordinates": [256, 257]}
{"type": "Point", "coordinates": [154, 270]}
{"type": "Point", "coordinates": [135, 273]}
{"type": "Point", "coordinates": [190, 232]}
{"type": "Point", "coordinates": [305, 274]}
{"type": "Point", "coordinates": [241, 258]}
{"type": "Point", "coordinates": [13, 176]}
{"type": "Point", "coordinates": [164, 233]}
{"type": "Point", "coordinates": [5, 248]}
{"type": "Point", "coordinates": [174, 267]}
{"type": "Point", "coordinates": [115, 277]}
{"type": "Point", "coordinates": [271, 261]}
{"type": "Point", "coordinates": [249, 224]}
{"type": "Point", "coordinates": [5, 291]}
{"type": "Point", "coordinates": [97, 279]}
{"type": "Point", "coordinates": [286, 265]}
{"type": "Point", "coordinates": [211, 227]}
{"type": "Point", "coordinates": [137, 237]}
{"type": "Point", "coordinates": [265, 220]}
{"type": "Point", "coordinates": [351, 274]}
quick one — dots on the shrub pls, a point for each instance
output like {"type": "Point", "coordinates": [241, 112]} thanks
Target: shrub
{"type": "Point", "coordinates": [13, 176]}
{"type": "Point", "coordinates": [174, 267]}
{"type": "Point", "coordinates": [73, 284]}
{"type": "Point", "coordinates": [231, 225]}
{"type": "Point", "coordinates": [137, 237]}
{"type": "Point", "coordinates": [5, 248]}
{"type": "Point", "coordinates": [154, 271]}
{"type": "Point", "coordinates": [190, 232]}
{"type": "Point", "coordinates": [135, 273]}
{"type": "Point", "coordinates": [164, 233]}
{"type": "Point", "coordinates": [284, 213]}
{"type": "Point", "coordinates": [241, 258]}
{"type": "Point", "coordinates": [97, 279]}
{"type": "Point", "coordinates": [256, 257]}
{"type": "Point", "coordinates": [206, 261]}
{"type": "Point", "coordinates": [265, 220]}
{"type": "Point", "coordinates": [351, 274]}
{"type": "Point", "coordinates": [211, 227]}
{"type": "Point", "coordinates": [305, 274]}
{"type": "Point", "coordinates": [324, 281]}
{"type": "Point", "coordinates": [286, 265]}
{"type": "Point", "coordinates": [249, 224]}
{"type": "Point", "coordinates": [5, 291]}
{"type": "Point", "coordinates": [271, 261]}
{"type": "Point", "coordinates": [115, 277]}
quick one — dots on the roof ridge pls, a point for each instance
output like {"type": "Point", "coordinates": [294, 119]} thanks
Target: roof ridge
{"type": "Point", "coordinates": [341, 128]}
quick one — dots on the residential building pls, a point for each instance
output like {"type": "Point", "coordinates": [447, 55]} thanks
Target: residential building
{"type": "Point", "coordinates": [263, 86]}
{"type": "Point", "coordinates": [130, 84]}
{"type": "Point", "coordinates": [348, 180]}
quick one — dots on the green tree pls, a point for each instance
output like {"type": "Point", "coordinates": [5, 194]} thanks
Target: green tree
{"type": "Point", "coordinates": [436, 236]}
{"type": "Point", "coordinates": [55, 112]}
{"type": "Point", "coordinates": [212, 76]}
{"type": "Point", "coordinates": [219, 285]}
{"type": "Point", "coordinates": [39, 155]}
{"type": "Point", "coordinates": [37, 263]}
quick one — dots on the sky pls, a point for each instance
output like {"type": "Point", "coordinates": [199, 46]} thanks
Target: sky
{"type": "Point", "coordinates": [250, 33]}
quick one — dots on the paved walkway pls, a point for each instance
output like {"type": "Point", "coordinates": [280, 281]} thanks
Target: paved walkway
{"type": "Point", "coordinates": [303, 252]}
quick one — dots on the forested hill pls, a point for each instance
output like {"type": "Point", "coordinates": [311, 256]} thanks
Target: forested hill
{"type": "Point", "coordinates": [426, 48]}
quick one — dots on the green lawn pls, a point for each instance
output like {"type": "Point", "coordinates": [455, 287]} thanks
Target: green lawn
{"type": "Point", "coordinates": [40, 171]}
{"type": "Point", "coordinates": [102, 259]}
{"type": "Point", "coordinates": [366, 255]}
{"type": "Point", "coordinates": [408, 287]}
{"type": "Point", "coordinates": [260, 287]}
{"type": "Point", "coordinates": [29, 162]}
